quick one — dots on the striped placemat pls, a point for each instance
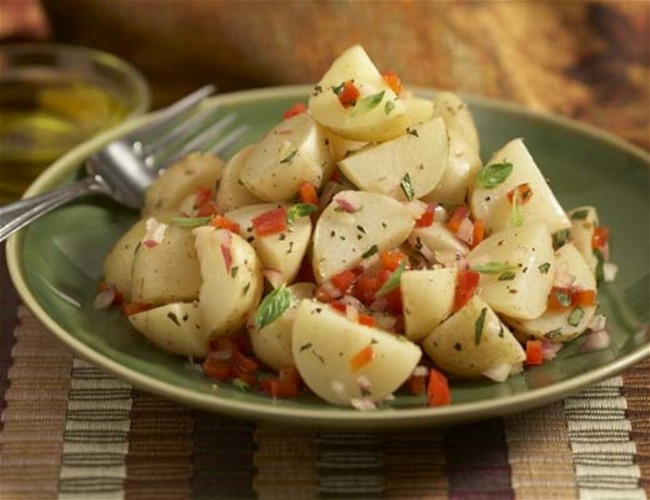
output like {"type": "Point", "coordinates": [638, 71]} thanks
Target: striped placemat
{"type": "Point", "coordinates": [71, 431]}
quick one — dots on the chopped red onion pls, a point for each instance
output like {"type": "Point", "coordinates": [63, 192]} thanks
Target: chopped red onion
{"type": "Point", "coordinates": [610, 271]}
{"type": "Point", "coordinates": [550, 349]}
{"type": "Point", "coordinates": [498, 373]}
{"type": "Point", "coordinates": [465, 231]}
{"type": "Point", "coordinates": [363, 404]}
{"type": "Point", "coordinates": [595, 341]}
{"type": "Point", "coordinates": [440, 214]}
{"type": "Point", "coordinates": [104, 299]}
{"type": "Point", "coordinates": [345, 204]}
{"type": "Point", "coordinates": [274, 277]}
{"type": "Point", "coordinates": [227, 256]}
{"type": "Point", "coordinates": [155, 233]}
{"type": "Point", "coordinates": [597, 323]}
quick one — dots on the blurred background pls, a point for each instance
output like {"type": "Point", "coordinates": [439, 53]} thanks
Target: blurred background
{"type": "Point", "coordinates": [588, 60]}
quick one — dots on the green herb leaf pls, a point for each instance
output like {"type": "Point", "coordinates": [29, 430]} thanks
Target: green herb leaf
{"type": "Point", "coordinates": [493, 175]}
{"type": "Point", "coordinates": [580, 214]}
{"type": "Point", "coordinates": [393, 280]}
{"type": "Point", "coordinates": [368, 103]}
{"type": "Point", "coordinates": [289, 157]}
{"type": "Point", "coordinates": [233, 271]}
{"type": "Point", "coordinates": [337, 89]}
{"type": "Point", "coordinates": [478, 326]}
{"type": "Point", "coordinates": [407, 187]}
{"type": "Point", "coordinates": [560, 238]}
{"type": "Point", "coordinates": [576, 316]}
{"type": "Point", "coordinates": [507, 276]}
{"type": "Point", "coordinates": [388, 107]}
{"type": "Point", "coordinates": [413, 132]}
{"type": "Point", "coordinates": [272, 307]}
{"type": "Point", "coordinates": [544, 268]}
{"type": "Point", "coordinates": [516, 217]}
{"type": "Point", "coordinates": [300, 210]}
{"type": "Point", "coordinates": [191, 221]}
{"type": "Point", "coordinates": [370, 252]}
{"type": "Point", "coordinates": [492, 268]}
{"type": "Point", "coordinates": [563, 297]}
{"type": "Point", "coordinates": [240, 385]}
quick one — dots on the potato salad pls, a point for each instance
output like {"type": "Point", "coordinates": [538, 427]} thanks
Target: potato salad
{"type": "Point", "coordinates": [359, 249]}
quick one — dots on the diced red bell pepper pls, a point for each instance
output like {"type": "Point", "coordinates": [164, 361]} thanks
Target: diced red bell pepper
{"type": "Point", "coordinates": [438, 392]}
{"type": "Point", "coordinates": [130, 308]}
{"type": "Point", "coordinates": [465, 287]}
{"type": "Point", "coordinates": [524, 193]}
{"type": "Point", "coordinates": [583, 298]}
{"type": "Point", "coordinates": [393, 81]}
{"type": "Point", "coordinates": [426, 219]}
{"type": "Point", "coordinates": [221, 222]}
{"type": "Point", "coordinates": [600, 237]}
{"type": "Point", "coordinates": [307, 193]}
{"type": "Point", "coordinates": [391, 259]}
{"type": "Point", "coordinates": [344, 280]}
{"type": "Point", "coordinates": [461, 213]}
{"type": "Point", "coordinates": [270, 222]}
{"type": "Point", "coordinates": [362, 358]}
{"type": "Point", "coordinates": [478, 232]}
{"type": "Point", "coordinates": [294, 110]}
{"type": "Point", "coordinates": [348, 94]}
{"type": "Point", "coordinates": [534, 353]}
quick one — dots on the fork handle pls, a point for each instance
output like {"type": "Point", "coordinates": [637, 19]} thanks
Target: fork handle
{"type": "Point", "coordinates": [17, 215]}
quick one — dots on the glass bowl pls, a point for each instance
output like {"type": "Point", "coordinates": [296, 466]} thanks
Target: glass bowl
{"type": "Point", "coordinates": [53, 97]}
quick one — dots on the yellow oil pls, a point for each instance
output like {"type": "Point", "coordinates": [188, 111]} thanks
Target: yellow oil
{"type": "Point", "coordinates": [43, 117]}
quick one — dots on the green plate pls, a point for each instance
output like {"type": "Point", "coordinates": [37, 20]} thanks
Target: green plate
{"type": "Point", "coordinates": [56, 265]}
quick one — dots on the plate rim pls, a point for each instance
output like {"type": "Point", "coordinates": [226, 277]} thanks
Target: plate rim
{"type": "Point", "coordinates": [316, 417]}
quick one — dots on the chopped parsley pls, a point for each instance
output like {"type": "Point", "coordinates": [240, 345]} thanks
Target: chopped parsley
{"type": "Point", "coordinates": [300, 210]}
{"type": "Point", "coordinates": [368, 103]}
{"type": "Point", "coordinates": [289, 157]}
{"type": "Point", "coordinates": [544, 268]}
{"type": "Point", "coordinates": [370, 252]}
{"type": "Point", "coordinates": [393, 280]}
{"type": "Point", "coordinates": [576, 316]}
{"type": "Point", "coordinates": [407, 187]}
{"type": "Point", "coordinates": [493, 268]}
{"type": "Point", "coordinates": [478, 326]}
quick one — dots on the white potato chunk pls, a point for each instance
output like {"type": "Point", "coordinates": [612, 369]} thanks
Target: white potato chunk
{"type": "Point", "coordinates": [357, 225]}
{"type": "Point", "coordinates": [517, 266]}
{"type": "Point", "coordinates": [174, 327]}
{"type": "Point", "coordinates": [492, 205]}
{"type": "Point", "coordinates": [294, 151]}
{"type": "Point", "coordinates": [378, 114]}
{"type": "Point", "coordinates": [463, 165]}
{"type": "Point", "coordinates": [567, 323]}
{"type": "Point", "coordinates": [181, 180]}
{"type": "Point", "coordinates": [341, 147]}
{"type": "Point", "coordinates": [428, 299]}
{"type": "Point", "coordinates": [418, 110]}
{"type": "Point", "coordinates": [272, 343]}
{"type": "Point", "coordinates": [281, 253]}
{"type": "Point", "coordinates": [232, 280]}
{"type": "Point", "coordinates": [473, 342]}
{"type": "Point", "coordinates": [438, 243]}
{"type": "Point", "coordinates": [325, 343]}
{"type": "Point", "coordinates": [584, 221]}
{"type": "Point", "coordinates": [232, 193]}
{"type": "Point", "coordinates": [166, 271]}
{"type": "Point", "coordinates": [457, 116]}
{"type": "Point", "coordinates": [119, 261]}
{"type": "Point", "coordinates": [413, 161]}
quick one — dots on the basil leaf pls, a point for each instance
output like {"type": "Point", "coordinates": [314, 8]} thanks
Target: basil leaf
{"type": "Point", "coordinates": [300, 210]}
{"type": "Point", "coordinates": [272, 307]}
{"type": "Point", "coordinates": [478, 326]}
{"type": "Point", "coordinates": [407, 187]}
{"type": "Point", "coordinates": [191, 221]}
{"type": "Point", "coordinates": [368, 103]}
{"type": "Point", "coordinates": [493, 175]}
{"type": "Point", "coordinates": [393, 280]}
{"type": "Point", "coordinates": [492, 268]}
{"type": "Point", "coordinates": [388, 107]}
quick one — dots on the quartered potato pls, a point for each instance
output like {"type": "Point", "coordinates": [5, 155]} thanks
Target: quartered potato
{"type": "Point", "coordinates": [355, 226]}
{"type": "Point", "coordinates": [567, 323]}
{"type": "Point", "coordinates": [457, 115]}
{"type": "Point", "coordinates": [166, 271]}
{"type": "Point", "coordinates": [517, 267]}
{"type": "Point", "coordinates": [428, 299]}
{"type": "Point", "coordinates": [232, 280]}
{"type": "Point", "coordinates": [473, 342]}
{"type": "Point", "coordinates": [407, 167]}
{"type": "Point", "coordinates": [378, 114]}
{"type": "Point", "coordinates": [174, 327]}
{"type": "Point", "coordinates": [341, 147]}
{"type": "Point", "coordinates": [232, 193]}
{"type": "Point", "coordinates": [490, 199]}
{"type": "Point", "coordinates": [463, 165]}
{"type": "Point", "coordinates": [439, 241]}
{"type": "Point", "coordinates": [418, 110]}
{"type": "Point", "coordinates": [272, 343]}
{"type": "Point", "coordinates": [182, 179]}
{"type": "Point", "coordinates": [329, 349]}
{"type": "Point", "coordinates": [294, 151]}
{"type": "Point", "coordinates": [282, 252]}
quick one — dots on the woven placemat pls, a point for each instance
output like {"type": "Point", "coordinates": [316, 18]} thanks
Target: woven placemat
{"type": "Point", "coordinates": [72, 431]}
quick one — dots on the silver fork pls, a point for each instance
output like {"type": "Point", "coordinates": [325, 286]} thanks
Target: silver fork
{"type": "Point", "coordinates": [125, 167]}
